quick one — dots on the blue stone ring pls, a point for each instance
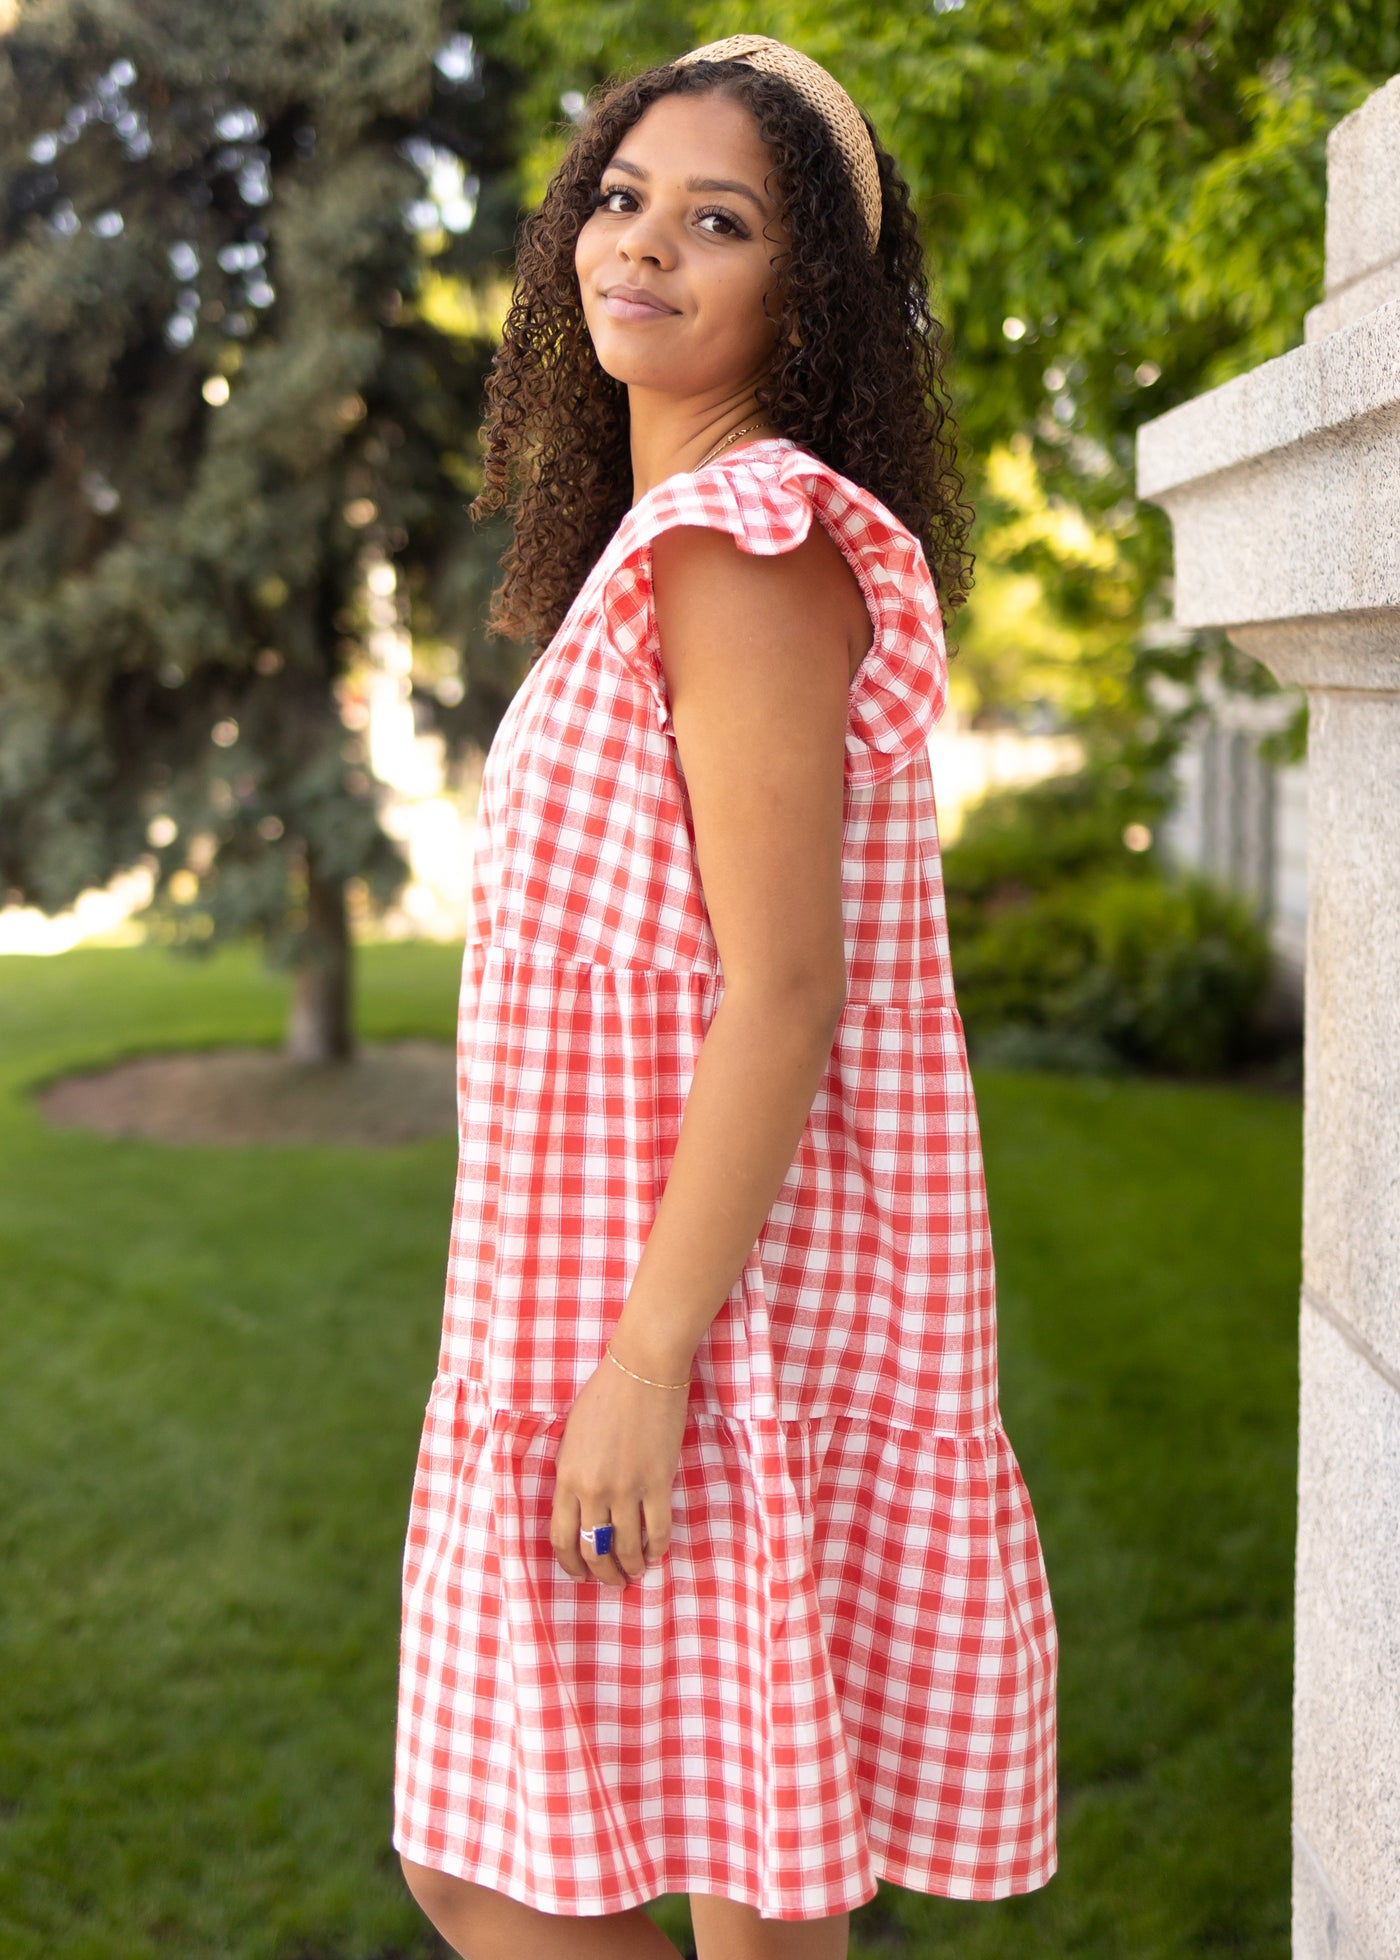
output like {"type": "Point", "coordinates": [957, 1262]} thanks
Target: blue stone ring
{"type": "Point", "coordinates": [598, 1538]}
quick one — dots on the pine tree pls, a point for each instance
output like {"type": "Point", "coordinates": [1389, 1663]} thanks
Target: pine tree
{"type": "Point", "coordinates": [242, 345]}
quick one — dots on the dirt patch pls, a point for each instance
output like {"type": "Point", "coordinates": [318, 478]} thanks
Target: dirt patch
{"type": "Point", "coordinates": [392, 1092]}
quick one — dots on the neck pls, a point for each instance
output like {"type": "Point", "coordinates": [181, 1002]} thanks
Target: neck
{"type": "Point", "coordinates": [668, 435]}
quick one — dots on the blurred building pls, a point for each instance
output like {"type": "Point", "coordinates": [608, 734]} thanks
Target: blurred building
{"type": "Point", "coordinates": [1241, 817]}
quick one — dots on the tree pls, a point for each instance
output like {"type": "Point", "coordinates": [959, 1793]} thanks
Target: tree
{"type": "Point", "coordinates": [245, 254]}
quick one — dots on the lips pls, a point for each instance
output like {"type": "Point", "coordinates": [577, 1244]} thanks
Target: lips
{"type": "Point", "coordinates": [635, 303]}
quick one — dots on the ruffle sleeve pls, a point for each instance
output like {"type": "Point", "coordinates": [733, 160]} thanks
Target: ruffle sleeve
{"type": "Point", "coordinates": [766, 503]}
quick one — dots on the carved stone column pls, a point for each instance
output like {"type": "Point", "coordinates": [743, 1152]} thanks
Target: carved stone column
{"type": "Point", "coordinates": [1283, 488]}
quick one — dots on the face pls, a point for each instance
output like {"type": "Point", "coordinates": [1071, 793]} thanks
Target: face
{"type": "Point", "coordinates": [683, 221]}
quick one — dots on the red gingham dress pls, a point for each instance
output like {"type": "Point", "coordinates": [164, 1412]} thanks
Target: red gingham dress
{"type": "Point", "coordinates": [844, 1669]}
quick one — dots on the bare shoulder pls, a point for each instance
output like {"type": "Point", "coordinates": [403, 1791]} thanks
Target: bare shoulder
{"type": "Point", "coordinates": [705, 585]}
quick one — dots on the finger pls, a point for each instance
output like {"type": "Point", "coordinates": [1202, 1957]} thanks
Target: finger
{"type": "Point", "coordinates": [602, 1564]}
{"type": "Point", "coordinates": [627, 1540]}
{"type": "Point", "coordinates": [656, 1512]}
{"type": "Point", "coordinates": [563, 1533]}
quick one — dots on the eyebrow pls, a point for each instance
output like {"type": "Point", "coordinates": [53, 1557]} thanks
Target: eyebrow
{"type": "Point", "coordinates": [696, 183]}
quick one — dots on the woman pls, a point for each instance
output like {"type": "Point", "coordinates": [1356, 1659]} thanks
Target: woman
{"type": "Point", "coordinates": [721, 1576]}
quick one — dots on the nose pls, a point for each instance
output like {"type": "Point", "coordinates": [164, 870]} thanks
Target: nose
{"type": "Point", "coordinates": [647, 238]}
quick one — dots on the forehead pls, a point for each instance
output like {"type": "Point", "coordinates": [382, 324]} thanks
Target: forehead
{"type": "Point", "coordinates": [709, 135]}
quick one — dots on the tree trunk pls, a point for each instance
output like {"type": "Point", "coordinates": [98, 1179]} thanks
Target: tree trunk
{"type": "Point", "coordinates": [319, 1025]}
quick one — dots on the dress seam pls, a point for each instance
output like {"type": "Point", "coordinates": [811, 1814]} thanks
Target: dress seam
{"type": "Point", "coordinates": [978, 1432]}
{"type": "Point", "coordinates": [548, 963]}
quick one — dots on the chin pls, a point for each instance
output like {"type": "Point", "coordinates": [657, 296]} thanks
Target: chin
{"type": "Point", "coordinates": [634, 370]}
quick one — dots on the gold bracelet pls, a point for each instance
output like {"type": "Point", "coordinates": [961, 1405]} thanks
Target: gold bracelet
{"type": "Point", "coordinates": [607, 1349]}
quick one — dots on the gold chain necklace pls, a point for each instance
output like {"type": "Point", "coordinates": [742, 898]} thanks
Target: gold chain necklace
{"type": "Point", "coordinates": [724, 441]}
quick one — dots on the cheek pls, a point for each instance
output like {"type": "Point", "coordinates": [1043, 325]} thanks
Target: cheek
{"type": "Point", "coordinates": [734, 303]}
{"type": "Point", "coordinates": [586, 247]}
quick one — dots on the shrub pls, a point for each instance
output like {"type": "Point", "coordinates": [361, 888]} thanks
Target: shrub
{"type": "Point", "coordinates": [1071, 951]}
{"type": "Point", "coordinates": [1029, 839]}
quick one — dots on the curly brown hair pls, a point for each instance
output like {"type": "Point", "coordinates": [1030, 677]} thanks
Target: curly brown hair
{"type": "Point", "coordinates": [861, 383]}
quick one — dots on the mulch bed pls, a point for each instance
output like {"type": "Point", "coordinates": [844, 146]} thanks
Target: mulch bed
{"type": "Point", "coordinates": [391, 1092]}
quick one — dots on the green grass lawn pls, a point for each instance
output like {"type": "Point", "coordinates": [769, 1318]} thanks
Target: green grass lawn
{"type": "Point", "coordinates": [213, 1365]}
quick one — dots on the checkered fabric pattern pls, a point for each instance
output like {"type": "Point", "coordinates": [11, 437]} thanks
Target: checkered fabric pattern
{"type": "Point", "coordinates": [845, 1667]}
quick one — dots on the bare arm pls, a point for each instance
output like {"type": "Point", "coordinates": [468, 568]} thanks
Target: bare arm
{"type": "Point", "coordinates": [757, 655]}
{"type": "Point", "coordinates": [756, 660]}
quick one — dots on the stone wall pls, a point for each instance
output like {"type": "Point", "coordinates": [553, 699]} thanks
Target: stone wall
{"type": "Point", "coordinates": [1283, 488]}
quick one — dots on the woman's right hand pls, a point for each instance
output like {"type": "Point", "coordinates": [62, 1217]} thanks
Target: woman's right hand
{"type": "Point", "coordinates": [616, 1464]}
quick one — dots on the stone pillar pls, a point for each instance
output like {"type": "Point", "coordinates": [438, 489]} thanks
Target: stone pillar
{"type": "Point", "coordinates": [1283, 488]}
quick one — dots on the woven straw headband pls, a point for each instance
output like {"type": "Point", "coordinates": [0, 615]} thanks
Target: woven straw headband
{"type": "Point", "coordinates": [819, 91]}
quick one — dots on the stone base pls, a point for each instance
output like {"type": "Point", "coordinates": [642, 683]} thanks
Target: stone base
{"type": "Point", "coordinates": [1320, 1929]}
{"type": "Point", "coordinates": [1346, 1695]}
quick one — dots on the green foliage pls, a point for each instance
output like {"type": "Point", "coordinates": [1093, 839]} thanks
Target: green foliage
{"type": "Point", "coordinates": [1049, 631]}
{"type": "Point", "coordinates": [1164, 974]}
{"type": "Point", "coordinates": [1069, 949]}
{"type": "Point", "coordinates": [222, 399]}
{"type": "Point", "coordinates": [1019, 842]}
{"type": "Point", "coordinates": [210, 1399]}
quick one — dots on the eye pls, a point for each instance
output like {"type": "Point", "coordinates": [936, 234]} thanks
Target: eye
{"type": "Point", "coordinates": [607, 193]}
{"type": "Point", "coordinates": [736, 228]}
